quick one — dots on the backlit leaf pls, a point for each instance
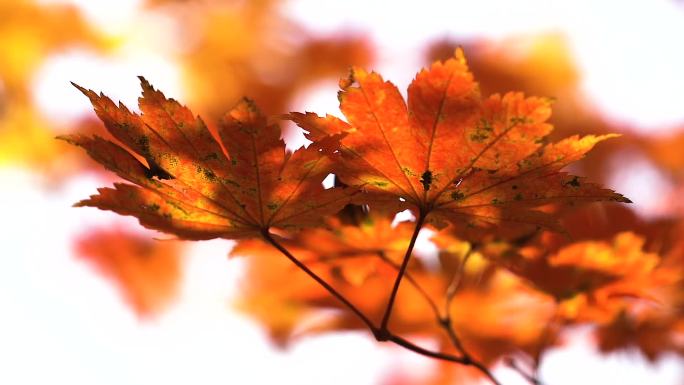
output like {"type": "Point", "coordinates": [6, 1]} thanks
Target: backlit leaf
{"type": "Point", "coordinates": [191, 188]}
{"type": "Point", "coordinates": [451, 152]}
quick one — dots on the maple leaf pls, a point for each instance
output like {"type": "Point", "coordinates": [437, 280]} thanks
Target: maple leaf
{"type": "Point", "coordinates": [146, 272]}
{"type": "Point", "coordinates": [580, 267]}
{"type": "Point", "coordinates": [191, 187]}
{"type": "Point", "coordinates": [451, 153]}
{"type": "Point", "coordinates": [653, 332]}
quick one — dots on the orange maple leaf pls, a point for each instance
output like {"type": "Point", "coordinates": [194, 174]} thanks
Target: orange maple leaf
{"type": "Point", "coordinates": [191, 187]}
{"type": "Point", "coordinates": [146, 272]}
{"type": "Point", "coordinates": [580, 267]}
{"type": "Point", "coordinates": [451, 153]}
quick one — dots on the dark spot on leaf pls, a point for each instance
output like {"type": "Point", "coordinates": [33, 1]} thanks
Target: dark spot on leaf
{"type": "Point", "coordinates": [514, 187]}
{"type": "Point", "coordinates": [574, 182]}
{"type": "Point", "coordinates": [457, 195]}
{"type": "Point", "coordinates": [482, 131]}
{"type": "Point", "coordinates": [272, 206]}
{"type": "Point", "coordinates": [144, 144]}
{"type": "Point", "coordinates": [520, 120]}
{"type": "Point", "coordinates": [152, 207]}
{"type": "Point", "coordinates": [496, 201]}
{"type": "Point", "coordinates": [478, 137]}
{"type": "Point", "coordinates": [484, 125]}
{"type": "Point", "coordinates": [177, 207]}
{"type": "Point", "coordinates": [208, 174]}
{"type": "Point", "coordinates": [426, 179]}
{"type": "Point", "coordinates": [408, 171]}
{"type": "Point", "coordinates": [156, 171]}
{"type": "Point", "coordinates": [518, 197]}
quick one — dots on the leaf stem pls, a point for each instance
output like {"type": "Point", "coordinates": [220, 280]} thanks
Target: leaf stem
{"type": "Point", "coordinates": [413, 282]}
{"type": "Point", "coordinates": [531, 378]}
{"type": "Point", "coordinates": [443, 356]}
{"type": "Point", "coordinates": [456, 283]}
{"type": "Point", "coordinates": [425, 352]}
{"type": "Point", "coordinates": [383, 332]}
{"type": "Point", "coordinates": [447, 325]}
{"type": "Point", "coordinates": [267, 236]}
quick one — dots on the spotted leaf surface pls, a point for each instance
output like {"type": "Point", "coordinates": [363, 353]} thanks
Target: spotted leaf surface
{"type": "Point", "coordinates": [451, 153]}
{"type": "Point", "coordinates": [186, 182]}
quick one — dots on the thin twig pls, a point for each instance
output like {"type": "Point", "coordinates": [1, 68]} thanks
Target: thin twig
{"type": "Point", "coordinates": [267, 236]}
{"type": "Point", "coordinates": [425, 352]}
{"type": "Point", "coordinates": [531, 378]}
{"type": "Point", "coordinates": [402, 269]}
{"type": "Point", "coordinates": [445, 322]}
{"type": "Point", "coordinates": [456, 282]}
{"type": "Point", "coordinates": [413, 283]}
{"type": "Point", "coordinates": [447, 325]}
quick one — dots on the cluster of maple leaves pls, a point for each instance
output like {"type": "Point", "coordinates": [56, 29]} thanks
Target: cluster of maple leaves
{"type": "Point", "coordinates": [519, 259]}
{"type": "Point", "coordinates": [504, 288]}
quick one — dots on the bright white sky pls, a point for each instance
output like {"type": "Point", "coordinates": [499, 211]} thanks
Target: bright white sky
{"type": "Point", "coordinates": [62, 324]}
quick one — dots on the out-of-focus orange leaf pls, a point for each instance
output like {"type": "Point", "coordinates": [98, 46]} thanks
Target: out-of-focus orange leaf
{"type": "Point", "coordinates": [667, 152]}
{"type": "Point", "coordinates": [346, 254]}
{"type": "Point", "coordinates": [580, 267]}
{"type": "Point", "coordinates": [501, 317]}
{"type": "Point", "coordinates": [452, 153]}
{"type": "Point", "coordinates": [657, 326]}
{"type": "Point", "coordinates": [249, 48]}
{"type": "Point", "coordinates": [191, 188]}
{"type": "Point", "coordinates": [273, 290]}
{"type": "Point", "coordinates": [357, 251]}
{"type": "Point", "coordinates": [653, 333]}
{"type": "Point", "coordinates": [147, 272]}
{"type": "Point", "coordinates": [29, 34]}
